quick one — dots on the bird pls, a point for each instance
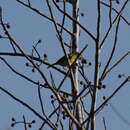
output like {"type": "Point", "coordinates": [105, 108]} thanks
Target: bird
{"type": "Point", "coordinates": [72, 57]}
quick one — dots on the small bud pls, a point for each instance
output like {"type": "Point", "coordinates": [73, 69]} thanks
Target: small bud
{"type": "Point", "coordinates": [119, 76]}
{"type": "Point", "coordinates": [52, 96]}
{"type": "Point", "coordinates": [52, 101]}
{"type": "Point", "coordinates": [84, 61]}
{"type": "Point", "coordinates": [13, 119]}
{"type": "Point", "coordinates": [33, 70]}
{"type": "Point", "coordinates": [85, 86]}
{"type": "Point", "coordinates": [29, 125]}
{"type": "Point", "coordinates": [89, 63]}
{"type": "Point", "coordinates": [99, 87]}
{"type": "Point", "coordinates": [27, 64]}
{"type": "Point", "coordinates": [12, 125]}
{"type": "Point", "coordinates": [81, 83]}
{"type": "Point", "coordinates": [117, 1]}
{"type": "Point", "coordinates": [45, 56]}
{"type": "Point", "coordinates": [33, 121]}
{"type": "Point", "coordinates": [82, 14]}
{"type": "Point", "coordinates": [45, 85]}
{"type": "Point", "coordinates": [8, 26]}
{"type": "Point", "coordinates": [104, 98]}
{"type": "Point", "coordinates": [104, 86]}
{"type": "Point", "coordinates": [39, 41]}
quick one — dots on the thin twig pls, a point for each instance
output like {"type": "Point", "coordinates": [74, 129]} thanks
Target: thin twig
{"type": "Point", "coordinates": [20, 74]}
{"type": "Point", "coordinates": [4, 24]}
{"type": "Point", "coordinates": [127, 22]}
{"type": "Point", "coordinates": [49, 117]}
{"type": "Point", "coordinates": [36, 52]}
{"type": "Point", "coordinates": [117, 63]}
{"type": "Point", "coordinates": [109, 98]}
{"type": "Point", "coordinates": [42, 14]}
{"type": "Point", "coordinates": [29, 3]}
{"type": "Point", "coordinates": [116, 18]}
{"type": "Point", "coordinates": [104, 123]}
{"type": "Point", "coordinates": [27, 106]}
{"type": "Point", "coordinates": [96, 68]}
{"type": "Point", "coordinates": [63, 19]}
{"type": "Point", "coordinates": [33, 58]}
{"type": "Point", "coordinates": [24, 121]}
{"type": "Point", "coordinates": [88, 32]}
{"type": "Point", "coordinates": [110, 12]}
{"type": "Point", "coordinates": [40, 99]}
{"type": "Point", "coordinates": [42, 75]}
{"type": "Point", "coordinates": [112, 52]}
{"type": "Point", "coordinates": [112, 95]}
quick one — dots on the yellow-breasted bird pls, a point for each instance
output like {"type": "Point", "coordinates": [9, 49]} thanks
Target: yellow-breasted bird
{"type": "Point", "coordinates": [72, 57]}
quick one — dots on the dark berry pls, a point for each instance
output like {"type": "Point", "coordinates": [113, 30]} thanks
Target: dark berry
{"type": "Point", "coordinates": [29, 125]}
{"type": "Point", "coordinates": [33, 70]}
{"type": "Point", "coordinates": [84, 61]}
{"type": "Point", "coordinates": [119, 76]}
{"type": "Point", "coordinates": [82, 14]}
{"type": "Point", "coordinates": [13, 119]}
{"type": "Point", "coordinates": [104, 98]}
{"type": "Point", "coordinates": [8, 26]}
{"type": "Point", "coordinates": [12, 125]}
{"type": "Point", "coordinates": [81, 83]}
{"type": "Point", "coordinates": [45, 55]}
{"type": "Point", "coordinates": [89, 63]}
{"type": "Point", "coordinates": [52, 101]}
{"type": "Point", "coordinates": [103, 86]}
{"type": "Point", "coordinates": [52, 96]}
{"type": "Point", "coordinates": [27, 64]}
{"type": "Point", "coordinates": [33, 121]}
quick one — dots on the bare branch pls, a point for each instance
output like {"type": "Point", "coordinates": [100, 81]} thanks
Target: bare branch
{"type": "Point", "coordinates": [116, 64]}
{"type": "Point", "coordinates": [104, 123]}
{"type": "Point", "coordinates": [125, 20]}
{"type": "Point", "coordinates": [112, 52]}
{"type": "Point", "coordinates": [116, 18]}
{"type": "Point", "coordinates": [27, 106]}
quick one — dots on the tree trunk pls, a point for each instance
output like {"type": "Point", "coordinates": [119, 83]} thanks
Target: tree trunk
{"type": "Point", "coordinates": [78, 111]}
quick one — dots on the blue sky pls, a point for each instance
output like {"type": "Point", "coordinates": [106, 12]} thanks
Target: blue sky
{"type": "Point", "coordinates": [27, 27]}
